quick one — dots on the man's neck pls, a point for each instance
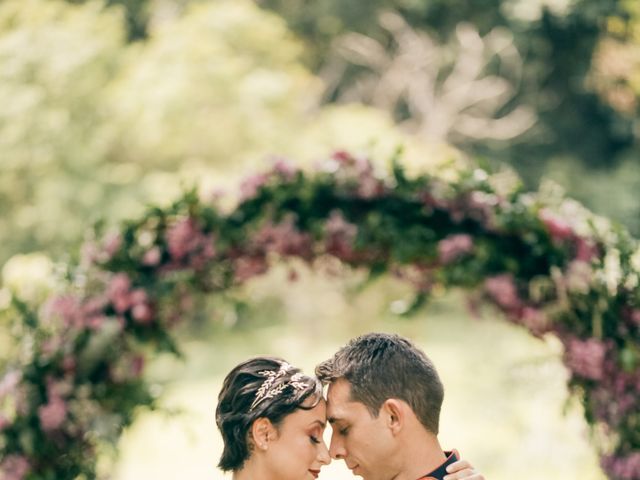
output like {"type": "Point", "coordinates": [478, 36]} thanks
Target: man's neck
{"type": "Point", "coordinates": [422, 455]}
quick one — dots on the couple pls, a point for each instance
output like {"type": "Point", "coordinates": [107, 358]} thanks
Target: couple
{"type": "Point", "coordinates": [383, 403]}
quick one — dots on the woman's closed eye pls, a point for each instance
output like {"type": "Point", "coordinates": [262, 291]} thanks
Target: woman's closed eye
{"type": "Point", "coordinates": [314, 439]}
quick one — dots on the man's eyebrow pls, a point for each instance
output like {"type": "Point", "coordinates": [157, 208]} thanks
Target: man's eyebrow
{"type": "Point", "coordinates": [333, 420]}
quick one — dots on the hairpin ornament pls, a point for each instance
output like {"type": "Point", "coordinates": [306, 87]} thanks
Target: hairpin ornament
{"type": "Point", "coordinates": [268, 390]}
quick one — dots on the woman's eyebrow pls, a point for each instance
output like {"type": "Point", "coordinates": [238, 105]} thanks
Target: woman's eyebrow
{"type": "Point", "coordinates": [319, 422]}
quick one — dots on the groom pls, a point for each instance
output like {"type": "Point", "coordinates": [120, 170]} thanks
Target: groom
{"type": "Point", "coordinates": [383, 404]}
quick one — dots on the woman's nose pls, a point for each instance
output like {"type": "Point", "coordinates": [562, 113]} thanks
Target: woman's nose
{"type": "Point", "coordinates": [323, 456]}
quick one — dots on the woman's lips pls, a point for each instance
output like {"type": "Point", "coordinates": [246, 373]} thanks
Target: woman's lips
{"type": "Point", "coordinates": [315, 473]}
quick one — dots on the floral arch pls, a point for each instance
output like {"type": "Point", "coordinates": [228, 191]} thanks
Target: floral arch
{"type": "Point", "coordinates": [547, 264]}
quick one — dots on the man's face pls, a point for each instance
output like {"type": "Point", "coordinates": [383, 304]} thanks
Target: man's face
{"type": "Point", "coordinates": [364, 442]}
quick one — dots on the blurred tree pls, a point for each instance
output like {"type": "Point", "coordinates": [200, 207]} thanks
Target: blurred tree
{"type": "Point", "coordinates": [555, 41]}
{"type": "Point", "coordinates": [93, 127]}
{"type": "Point", "coordinates": [136, 15]}
{"type": "Point", "coordinates": [54, 133]}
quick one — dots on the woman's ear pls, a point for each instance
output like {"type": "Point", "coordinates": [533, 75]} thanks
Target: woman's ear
{"type": "Point", "coordinates": [262, 432]}
{"type": "Point", "coordinates": [394, 414]}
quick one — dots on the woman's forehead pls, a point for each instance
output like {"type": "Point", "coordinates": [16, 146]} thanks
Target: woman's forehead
{"type": "Point", "coordinates": [306, 417]}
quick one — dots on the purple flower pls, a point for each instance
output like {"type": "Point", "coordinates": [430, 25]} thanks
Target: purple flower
{"type": "Point", "coordinates": [14, 467]}
{"type": "Point", "coordinates": [453, 247]}
{"type": "Point", "coordinates": [502, 290]}
{"type": "Point", "coordinates": [585, 358]}
{"type": "Point", "coordinates": [623, 468]}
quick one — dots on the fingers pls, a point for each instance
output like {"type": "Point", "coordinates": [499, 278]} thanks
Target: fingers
{"type": "Point", "coordinates": [458, 465]}
{"type": "Point", "coordinates": [467, 474]}
{"type": "Point", "coordinates": [462, 469]}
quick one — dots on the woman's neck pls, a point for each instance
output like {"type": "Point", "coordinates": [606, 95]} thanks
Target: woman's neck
{"type": "Point", "coordinates": [250, 471]}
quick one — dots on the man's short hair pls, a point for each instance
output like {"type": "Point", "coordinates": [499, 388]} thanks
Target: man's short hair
{"type": "Point", "coordinates": [381, 366]}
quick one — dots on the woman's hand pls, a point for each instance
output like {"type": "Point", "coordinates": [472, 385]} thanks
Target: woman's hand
{"type": "Point", "coordinates": [462, 469]}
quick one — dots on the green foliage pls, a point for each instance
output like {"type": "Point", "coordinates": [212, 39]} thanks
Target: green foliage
{"type": "Point", "coordinates": [544, 261]}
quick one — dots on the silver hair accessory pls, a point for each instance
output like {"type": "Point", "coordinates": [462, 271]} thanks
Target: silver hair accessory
{"type": "Point", "coordinates": [267, 389]}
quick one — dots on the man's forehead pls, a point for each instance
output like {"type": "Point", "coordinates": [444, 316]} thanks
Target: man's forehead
{"type": "Point", "coordinates": [339, 401]}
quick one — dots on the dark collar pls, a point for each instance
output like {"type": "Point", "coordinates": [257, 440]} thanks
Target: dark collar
{"type": "Point", "coordinates": [441, 471]}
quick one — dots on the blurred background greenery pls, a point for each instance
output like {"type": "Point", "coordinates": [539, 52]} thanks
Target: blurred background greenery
{"type": "Point", "coordinates": [111, 105]}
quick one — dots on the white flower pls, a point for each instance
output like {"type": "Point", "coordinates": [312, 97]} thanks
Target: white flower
{"type": "Point", "coordinates": [612, 271]}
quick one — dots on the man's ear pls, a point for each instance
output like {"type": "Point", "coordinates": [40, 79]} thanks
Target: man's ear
{"type": "Point", "coordinates": [394, 412]}
{"type": "Point", "coordinates": [262, 432]}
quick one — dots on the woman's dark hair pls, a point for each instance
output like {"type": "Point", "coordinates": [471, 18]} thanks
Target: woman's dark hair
{"type": "Point", "coordinates": [261, 387]}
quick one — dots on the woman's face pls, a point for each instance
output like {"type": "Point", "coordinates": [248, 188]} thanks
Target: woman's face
{"type": "Point", "coordinates": [298, 451]}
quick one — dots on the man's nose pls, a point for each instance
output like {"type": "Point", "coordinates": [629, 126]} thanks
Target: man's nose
{"type": "Point", "coordinates": [336, 448]}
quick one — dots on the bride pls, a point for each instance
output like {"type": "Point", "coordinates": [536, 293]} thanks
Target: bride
{"type": "Point", "coordinates": [272, 418]}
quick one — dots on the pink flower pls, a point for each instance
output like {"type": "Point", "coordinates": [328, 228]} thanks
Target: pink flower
{"type": "Point", "coordinates": [142, 313]}
{"type": "Point", "coordinates": [585, 358]}
{"type": "Point", "coordinates": [53, 414]}
{"type": "Point", "coordinates": [249, 186]}
{"type": "Point", "coordinates": [14, 467]}
{"type": "Point", "coordinates": [535, 320]}
{"type": "Point", "coordinates": [137, 365]}
{"type": "Point", "coordinates": [284, 239]}
{"type": "Point", "coordinates": [188, 245]}
{"type": "Point", "coordinates": [284, 169]}
{"type": "Point", "coordinates": [559, 229]}
{"type": "Point", "coordinates": [69, 364]}
{"type": "Point", "coordinates": [111, 244]}
{"type": "Point", "coordinates": [635, 316]}
{"type": "Point", "coordinates": [9, 383]}
{"type": "Point", "coordinates": [66, 307]}
{"type": "Point", "coordinates": [586, 250]}
{"type": "Point", "coordinates": [246, 267]}
{"type": "Point", "coordinates": [343, 157]}
{"type": "Point", "coordinates": [4, 422]}
{"type": "Point", "coordinates": [502, 290]}
{"type": "Point", "coordinates": [340, 236]}
{"type": "Point", "coordinates": [369, 187]}
{"type": "Point", "coordinates": [152, 257]}
{"type": "Point", "coordinates": [118, 292]}
{"type": "Point", "coordinates": [453, 247]}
